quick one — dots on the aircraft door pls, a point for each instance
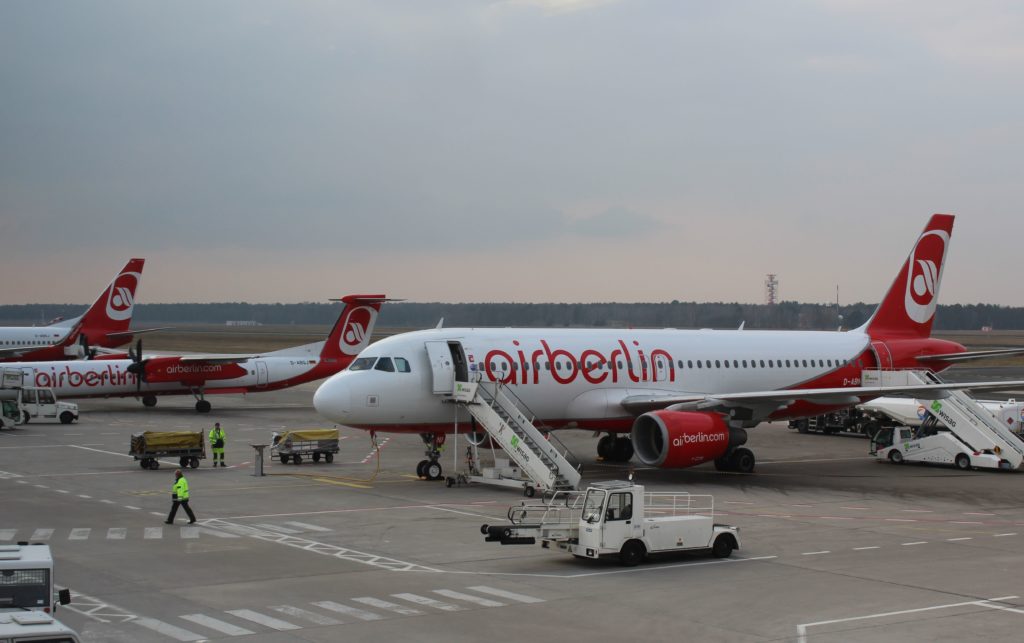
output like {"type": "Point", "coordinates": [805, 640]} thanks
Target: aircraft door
{"type": "Point", "coordinates": [661, 368]}
{"type": "Point", "coordinates": [262, 376]}
{"type": "Point", "coordinates": [883, 358]}
{"type": "Point", "coordinates": [440, 357]}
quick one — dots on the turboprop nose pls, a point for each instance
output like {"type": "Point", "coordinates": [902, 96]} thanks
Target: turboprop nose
{"type": "Point", "coordinates": [333, 400]}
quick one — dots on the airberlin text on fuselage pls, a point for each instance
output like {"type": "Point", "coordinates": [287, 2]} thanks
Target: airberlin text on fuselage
{"type": "Point", "coordinates": [66, 377]}
{"type": "Point", "coordinates": [592, 365]}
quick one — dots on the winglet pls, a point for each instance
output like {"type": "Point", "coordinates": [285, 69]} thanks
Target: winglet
{"type": "Point", "coordinates": [908, 309]}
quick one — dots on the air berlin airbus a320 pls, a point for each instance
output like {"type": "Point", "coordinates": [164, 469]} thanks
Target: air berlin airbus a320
{"type": "Point", "coordinates": [685, 396]}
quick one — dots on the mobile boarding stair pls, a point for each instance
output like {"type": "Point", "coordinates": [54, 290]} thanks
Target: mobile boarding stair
{"type": "Point", "coordinates": [965, 418]}
{"type": "Point", "coordinates": [542, 466]}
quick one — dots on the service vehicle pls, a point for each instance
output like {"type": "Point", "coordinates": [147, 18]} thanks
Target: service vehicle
{"type": "Point", "coordinates": [618, 519]}
{"type": "Point", "coordinates": [34, 402]}
{"type": "Point", "coordinates": [10, 414]}
{"type": "Point", "coordinates": [931, 443]}
{"type": "Point", "coordinates": [149, 446]}
{"type": "Point", "coordinates": [293, 446]}
{"type": "Point", "coordinates": [26, 579]}
{"type": "Point", "coordinates": [34, 627]}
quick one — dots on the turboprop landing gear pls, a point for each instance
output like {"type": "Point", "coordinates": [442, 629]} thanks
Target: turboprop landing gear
{"type": "Point", "coordinates": [612, 448]}
{"type": "Point", "coordinates": [430, 468]}
{"type": "Point", "coordinates": [202, 406]}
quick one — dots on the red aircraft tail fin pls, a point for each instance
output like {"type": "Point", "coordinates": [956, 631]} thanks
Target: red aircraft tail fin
{"type": "Point", "coordinates": [112, 310]}
{"type": "Point", "coordinates": [908, 309]}
{"type": "Point", "coordinates": [351, 333]}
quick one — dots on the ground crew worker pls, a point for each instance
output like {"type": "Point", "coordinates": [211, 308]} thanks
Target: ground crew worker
{"type": "Point", "coordinates": [179, 496]}
{"type": "Point", "coordinates": [217, 437]}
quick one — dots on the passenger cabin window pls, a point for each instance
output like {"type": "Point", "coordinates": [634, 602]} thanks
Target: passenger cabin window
{"type": "Point", "coordinates": [402, 365]}
{"type": "Point", "coordinates": [689, 363]}
{"type": "Point", "coordinates": [385, 364]}
{"type": "Point", "coordinates": [620, 507]}
{"type": "Point", "coordinates": [362, 364]}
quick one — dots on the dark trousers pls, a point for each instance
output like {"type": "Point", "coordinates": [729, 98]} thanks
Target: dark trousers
{"type": "Point", "coordinates": [174, 510]}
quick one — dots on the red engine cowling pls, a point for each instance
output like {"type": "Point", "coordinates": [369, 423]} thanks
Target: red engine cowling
{"type": "Point", "coordinates": [172, 369]}
{"type": "Point", "coordinates": [679, 439]}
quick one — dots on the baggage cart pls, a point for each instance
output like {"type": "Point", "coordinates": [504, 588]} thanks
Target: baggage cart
{"type": "Point", "coordinates": [148, 446]}
{"type": "Point", "coordinates": [295, 446]}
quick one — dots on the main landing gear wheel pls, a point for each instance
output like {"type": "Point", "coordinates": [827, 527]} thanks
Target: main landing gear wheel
{"type": "Point", "coordinates": [606, 447]}
{"type": "Point", "coordinates": [743, 460]}
{"type": "Point", "coordinates": [962, 461]}
{"type": "Point", "coordinates": [149, 400]}
{"type": "Point", "coordinates": [203, 406]}
{"type": "Point", "coordinates": [895, 457]}
{"type": "Point", "coordinates": [622, 449]}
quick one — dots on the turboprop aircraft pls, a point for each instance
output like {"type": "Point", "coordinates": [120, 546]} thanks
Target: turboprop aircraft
{"type": "Point", "coordinates": [104, 325]}
{"type": "Point", "coordinates": [683, 396]}
{"type": "Point", "coordinates": [148, 377]}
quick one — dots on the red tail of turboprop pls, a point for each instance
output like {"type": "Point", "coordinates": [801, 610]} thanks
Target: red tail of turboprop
{"type": "Point", "coordinates": [111, 313]}
{"type": "Point", "coordinates": [908, 309]}
{"type": "Point", "coordinates": [351, 333]}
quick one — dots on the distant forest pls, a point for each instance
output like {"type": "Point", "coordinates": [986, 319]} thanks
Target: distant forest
{"type": "Point", "coordinates": [676, 314]}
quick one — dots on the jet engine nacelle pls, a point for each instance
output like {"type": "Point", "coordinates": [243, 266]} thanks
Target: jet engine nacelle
{"type": "Point", "coordinates": [678, 439]}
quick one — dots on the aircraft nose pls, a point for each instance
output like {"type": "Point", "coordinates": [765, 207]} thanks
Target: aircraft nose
{"type": "Point", "coordinates": [333, 400]}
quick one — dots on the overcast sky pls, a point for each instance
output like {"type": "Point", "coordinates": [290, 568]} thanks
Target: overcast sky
{"type": "Point", "coordinates": [533, 150]}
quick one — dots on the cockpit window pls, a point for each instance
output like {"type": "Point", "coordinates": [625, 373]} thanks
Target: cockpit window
{"type": "Point", "coordinates": [362, 364]}
{"type": "Point", "coordinates": [402, 365]}
{"type": "Point", "coordinates": [385, 364]}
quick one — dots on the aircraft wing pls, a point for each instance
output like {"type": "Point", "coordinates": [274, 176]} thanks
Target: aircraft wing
{"type": "Point", "coordinates": [972, 355]}
{"type": "Point", "coordinates": [226, 358]}
{"type": "Point", "coordinates": [138, 331]}
{"type": "Point", "coordinates": [847, 396]}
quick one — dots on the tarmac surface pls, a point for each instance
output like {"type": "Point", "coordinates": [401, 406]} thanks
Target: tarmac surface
{"type": "Point", "coordinates": [835, 546]}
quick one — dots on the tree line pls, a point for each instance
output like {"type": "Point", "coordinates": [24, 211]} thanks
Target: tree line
{"type": "Point", "coordinates": [675, 314]}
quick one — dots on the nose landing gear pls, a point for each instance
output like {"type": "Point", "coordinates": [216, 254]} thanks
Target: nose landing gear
{"type": "Point", "coordinates": [430, 469]}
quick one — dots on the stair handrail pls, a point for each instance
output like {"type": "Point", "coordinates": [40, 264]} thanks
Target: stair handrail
{"type": "Point", "coordinates": [548, 432]}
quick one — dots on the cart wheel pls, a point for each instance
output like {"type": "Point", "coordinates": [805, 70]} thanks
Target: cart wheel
{"type": "Point", "coordinates": [329, 457]}
{"type": "Point", "coordinates": [284, 458]}
{"type": "Point", "coordinates": [296, 459]}
{"type": "Point", "coordinates": [183, 461]}
{"type": "Point", "coordinates": [154, 464]}
{"type": "Point", "coordinates": [144, 463]}
{"type": "Point", "coordinates": [67, 417]}
{"type": "Point", "coordinates": [449, 481]}
{"type": "Point", "coordinates": [193, 462]}
{"type": "Point", "coordinates": [316, 457]}
{"type": "Point", "coordinates": [529, 492]}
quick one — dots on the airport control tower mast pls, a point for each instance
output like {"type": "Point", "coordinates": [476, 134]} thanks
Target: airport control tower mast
{"type": "Point", "coordinates": [771, 289]}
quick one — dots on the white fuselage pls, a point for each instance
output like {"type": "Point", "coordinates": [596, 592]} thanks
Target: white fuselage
{"type": "Point", "coordinates": [566, 376]}
{"type": "Point", "coordinates": [110, 378]}
{"type": "Point", "coordinates": [32, 336]}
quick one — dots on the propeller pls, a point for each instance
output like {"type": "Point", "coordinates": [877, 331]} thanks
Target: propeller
{"type": "Point", "coordinates": [87, 351]}
{"type": "Point", "coordinates": [138, 366]}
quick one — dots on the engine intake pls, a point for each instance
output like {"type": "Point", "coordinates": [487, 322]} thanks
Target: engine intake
{"type": "Point", "coordinates": [679, 439]}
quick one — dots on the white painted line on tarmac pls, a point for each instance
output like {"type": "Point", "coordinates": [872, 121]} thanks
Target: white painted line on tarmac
{"type": "Point", "coordinates": [348, 611]}
{"type": "Point", "coordinates": [263, 619]}
{"type": "Point", "coordinates": [107, 502]}
{"type": "Point", "coordinates": [216, 624]}
{"type": "Point", "coordinates": [1000, 607]}
{"type": "Point", "coordinates": [190, 532]}
{"type": "Point", "coordinates": [900, 520]}
{"type": "Point", "coordinates": [217, 532]}
{"type": "Point", "coordinates": [132, 508]}
{"type": "Point", "coordinates": [154, 533]}
{"type": "Point", "coordinates": [62, 491]}
{"type": "Point", "coordinates": [428, 602]}
{"type": "Point", "coordinates": [464, 513]}
{"type": "Point", "coordinates": [82, 495]}
{"type": "Point", "coordinates": [977, 513]}
{"type": "Point", "coordinates": [916, 542]}
{"type": "Point", "coordinates": [854, 507]}
{"type": "Point", "coordinates": [501, 593]}
{"type": "Point", "coordinates": [801, 630]}
{"type": "Point", "coordinates": [469, 598]}
{"type": "Point", "coordinates": [386, 605]}
{"type": "Point", "coordinates": [7, 534]}
{"type": "Point", "coordinates": [1012, 533]}
{"type": "Point", "coordinates": [41, 534]}
{"type": "Point", "coordinates": [966, 522]}
{"type": "Point", "coordinates": [22, 481]}
{"type": "Point", "coordinates": [117, 533]}
{"type": "Point", "coordinates": [917, 511]}
{"type": "Point", "coordinates": [79, 533]}
{"type": "Point", "coordinates": [815, 553]}
{"type": "Point", "coordinates": [306, 526]}
{"type": "Point", "coordinates": [866, 548]}
{"type": "Point", "coordinates": [167, 629]}
{"type": "Point", "coordinates": [40, 486]}
{"type": "Point", "coordinates": [953, 540]}
{"type": "Point", "coordinates": [835, 518]}
{"type": "Point", "coordinates": [298, 612]}
{"type": "Point", "coordinates": [280, 530]}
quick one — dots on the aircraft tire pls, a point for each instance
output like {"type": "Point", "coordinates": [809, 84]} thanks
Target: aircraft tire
{"type": "Point", "coordinates": [606, 447]}
{"type": "Point", "coordinates": [421, 468]}
{"type": "Point", "coordinates": [622, 449]}
{"type": "Point", "coordinates": [149, 401]}
{"type": "Point", "coordinates": [742, 460]}
{"type": "Point", "coordinates": [433, 470]}
{"type": "Point", "coordinates": [202, 406]}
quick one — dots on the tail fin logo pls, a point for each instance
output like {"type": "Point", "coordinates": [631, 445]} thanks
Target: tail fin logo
{"type": "Point", "coordinates": [121, 297]}
{"type": "Point", "coordinates": [925, 275]}
{"type": "Point", "coordinates": [354, 336]}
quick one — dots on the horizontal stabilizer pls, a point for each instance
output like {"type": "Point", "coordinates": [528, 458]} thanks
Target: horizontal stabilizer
{"type": "Point", "coordinates": [971, 355]}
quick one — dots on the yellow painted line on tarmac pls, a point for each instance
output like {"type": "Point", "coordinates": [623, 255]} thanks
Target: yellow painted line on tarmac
{"type": "Point", "coordinates": [344, 484]}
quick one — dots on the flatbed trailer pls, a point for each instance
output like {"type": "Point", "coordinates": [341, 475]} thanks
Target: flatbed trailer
{"type": "Point", "coordinates": [149, 446]}
{"type": "Point", "coordinates": [617, 519]}
{"type": "Point", "coordinates": [314, 444]}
